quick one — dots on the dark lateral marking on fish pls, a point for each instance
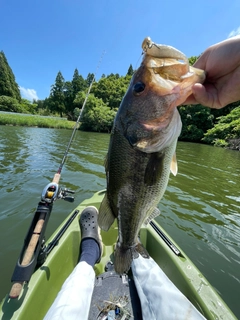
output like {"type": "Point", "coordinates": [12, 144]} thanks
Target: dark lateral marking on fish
{"type": "Point", "coordinates": [154, 168]}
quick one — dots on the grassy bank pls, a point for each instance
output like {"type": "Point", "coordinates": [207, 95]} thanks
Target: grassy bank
{"type": "Point", "coordinates": [34, 121]}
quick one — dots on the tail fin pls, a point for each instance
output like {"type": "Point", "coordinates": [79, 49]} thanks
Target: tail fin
{"type": "Point", "coordinates": [123, 256]}
{"type": "Point", "coordinates": [122, 259]}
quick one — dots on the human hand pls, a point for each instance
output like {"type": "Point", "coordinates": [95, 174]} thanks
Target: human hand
{"type": "Point", "coordinates": [221, 62]}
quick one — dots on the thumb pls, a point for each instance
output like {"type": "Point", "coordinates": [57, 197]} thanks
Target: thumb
{"type": "Point", "coordinates": [202, 96]}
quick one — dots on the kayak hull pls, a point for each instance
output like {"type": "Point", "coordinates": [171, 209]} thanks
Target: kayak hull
{"type": "Point", "coordinates": [38, 295]}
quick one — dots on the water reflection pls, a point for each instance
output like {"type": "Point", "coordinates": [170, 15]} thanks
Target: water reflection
{"type": "Point", "coordinates": [200, 208]}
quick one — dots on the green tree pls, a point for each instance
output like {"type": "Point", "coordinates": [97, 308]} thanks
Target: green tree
{"type": "Point", "coordinates": [46, 111]}
{"type": "Point", "coordinates": [8, 85]}
{"type": "Point", "coordinates": [111, 89]}
{"type": "Point", "coordinates": [39, 103]}
{"type": "Point", "coordinates": [78, 83]}
{"type": "Point", "coordinates": [224, 111]}
{"type": "Point", "coordinates": [57, 96]}
{"type": "Point", "coordinates": [89, 79]}
{"type": "Point", "coordinates": [28, 107]}
{"type": "Point", "coordinates": [42, 107]}
{"type": "Point", "coordinates": [226, 132]}
{"type": "Point", "coordinates": [10, 104]}
{"type": "Point", "coordinates": [68, 99]}
{"type": "Point", "coordinates": [13, 105]}
{"type": "Point", "coordinates": [196, 120]}
{"type": "Point", "coordinates": [192, 60]}
{"type": "Point", "coordinates": [71, 88]}
{"type": "Point", "coordinates": [130, 71]}
{"type": "Point", "coordinates": [96, 115]}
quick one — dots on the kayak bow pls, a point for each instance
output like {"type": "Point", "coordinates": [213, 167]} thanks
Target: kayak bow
{"type": "Point", "coordinates": [39, 293]}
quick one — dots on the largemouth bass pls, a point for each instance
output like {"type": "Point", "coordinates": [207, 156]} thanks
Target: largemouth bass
{"type": "Point", "coordinates": [142, 146]}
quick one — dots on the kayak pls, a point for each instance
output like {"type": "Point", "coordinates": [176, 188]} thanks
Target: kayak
{"type": "Point", "coordinates": [63, 254]}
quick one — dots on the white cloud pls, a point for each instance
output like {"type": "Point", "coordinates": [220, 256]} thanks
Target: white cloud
{"type": "Point", "coordinates": [29, 94]}
{"type": "Point", "coordinates": [234, 33]}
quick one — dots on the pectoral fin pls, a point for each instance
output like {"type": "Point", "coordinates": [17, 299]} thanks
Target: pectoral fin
{"type": "Point", "coordinates": [105, 217]}
{"type": "Point", "coordinates": [154, 214]}
{"type": "Point", "coordinates": [174, 166]}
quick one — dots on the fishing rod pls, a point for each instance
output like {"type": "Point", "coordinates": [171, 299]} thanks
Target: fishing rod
{"type": "Point", "coordinates": [78, 119]}
{"type": "Point", "coordinates": [34, 252]}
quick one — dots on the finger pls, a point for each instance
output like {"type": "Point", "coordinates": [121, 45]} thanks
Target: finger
{"type": "Point", "coordinates": [200, 94]}
{"type": "Point", "coordinates": [190, 100]}
{"type": "Point", "coordinates": [206, 95]}
{"type": "Point", "coordinates": [202, 61]}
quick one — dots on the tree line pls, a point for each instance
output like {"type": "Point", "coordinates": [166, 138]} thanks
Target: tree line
{"type": "Point", "coordinates": [10, 97]}
{"type": "Point", "coordinates": [200, 124]}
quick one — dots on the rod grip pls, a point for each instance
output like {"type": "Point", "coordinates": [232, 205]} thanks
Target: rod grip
{"type": "Point", "coordinates": [56, 178]}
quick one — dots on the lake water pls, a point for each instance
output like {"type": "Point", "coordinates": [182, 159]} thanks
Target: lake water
{"type": "Point", "coordinates": [200, 209]}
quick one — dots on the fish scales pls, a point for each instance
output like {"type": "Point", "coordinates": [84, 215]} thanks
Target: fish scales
{"type": "Point", "coordinates": [132, 203]}
{"type": "Point", "coordinates": [142, 149]}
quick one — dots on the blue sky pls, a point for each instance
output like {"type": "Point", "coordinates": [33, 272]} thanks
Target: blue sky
{"type": "Point", "coordinates": [42, 37]}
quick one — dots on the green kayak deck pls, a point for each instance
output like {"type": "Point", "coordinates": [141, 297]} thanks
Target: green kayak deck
{"type": "Point", "coordinates": [38, 295]}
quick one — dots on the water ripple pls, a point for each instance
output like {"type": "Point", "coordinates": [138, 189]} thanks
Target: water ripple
{"type": "Point", "coordinates": [200, 208]}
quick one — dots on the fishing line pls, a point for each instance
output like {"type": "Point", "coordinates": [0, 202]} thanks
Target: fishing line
{"type": "Point", "coordinates": [120, 31]}
{"type": "Point", "coordinates": [137, 62]}
{"type": "Point", "coordinates": [76, 126]}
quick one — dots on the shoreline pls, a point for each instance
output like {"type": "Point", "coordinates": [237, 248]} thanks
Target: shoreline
{"type": "Point", "coordinates": [29, 120]}
{"type": "Point", "coordinates": [38, 121]}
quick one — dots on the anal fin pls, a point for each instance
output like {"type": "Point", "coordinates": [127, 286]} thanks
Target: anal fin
{"type": "Point", "coordinates": [154, 214]}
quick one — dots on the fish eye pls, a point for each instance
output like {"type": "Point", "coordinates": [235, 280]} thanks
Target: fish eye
{"type": "Point", "coordinates": [138, 88]}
